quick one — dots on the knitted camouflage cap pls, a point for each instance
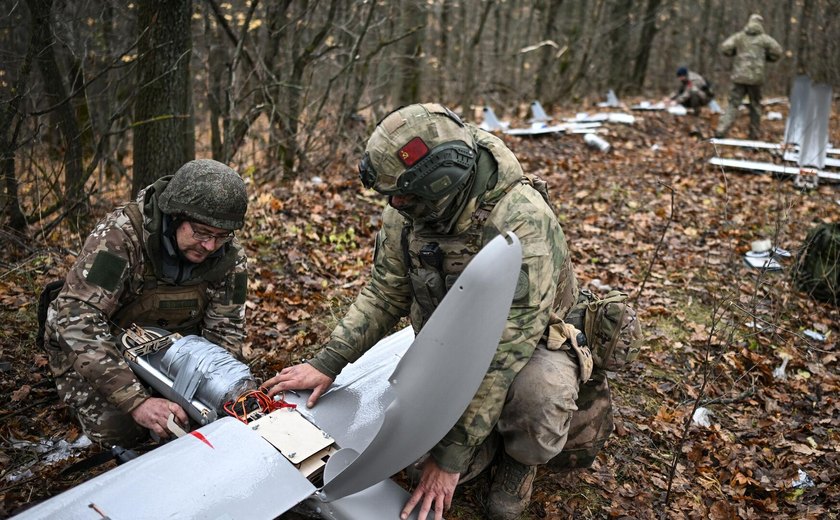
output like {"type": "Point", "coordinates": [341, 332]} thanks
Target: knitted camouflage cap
{"type": "Point", "coordinates": [422, 149]}
{"type": "Point", "coordinates": [208, 192]}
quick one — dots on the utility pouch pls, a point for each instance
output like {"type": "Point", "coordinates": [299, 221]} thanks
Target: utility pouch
{"type": "Point", "coordinates": [612, 331]}
{"type": "Point", "coordinates": [564, 336]}
{"type": "Point", "coordinates": [431, 256]}
{"type": "Point", "coordinates": [429, 289]}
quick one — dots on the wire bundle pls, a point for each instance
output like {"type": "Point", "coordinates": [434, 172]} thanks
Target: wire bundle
{"type": "Point", "coordinates": [252, 401]}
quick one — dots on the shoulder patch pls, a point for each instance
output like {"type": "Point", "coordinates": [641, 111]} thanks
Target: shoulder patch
{"type": "Point", "coordinates": [240, 288]}
{"type": "Point", "coordinates": [523, 285]}
{"type": "Point", "coordinates": [107, 270]}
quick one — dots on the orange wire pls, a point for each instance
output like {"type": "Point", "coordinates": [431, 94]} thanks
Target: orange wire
{"type": "Point", "coordinates": [265, 403]}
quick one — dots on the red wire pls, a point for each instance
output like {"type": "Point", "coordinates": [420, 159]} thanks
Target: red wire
{"type": "Point", "coordinates": [266, 404]}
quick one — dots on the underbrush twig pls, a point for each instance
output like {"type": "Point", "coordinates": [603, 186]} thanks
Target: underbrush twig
{"type": "Point", "coordinates": [658, 246]}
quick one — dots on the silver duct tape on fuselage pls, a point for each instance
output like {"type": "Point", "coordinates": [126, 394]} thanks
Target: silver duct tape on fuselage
{"type": "Point", "coordinates": [197, 374]}
{"type": "Point", "coordinates": [219, 377]}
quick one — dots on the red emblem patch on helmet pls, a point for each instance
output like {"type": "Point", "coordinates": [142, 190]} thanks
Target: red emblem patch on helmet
{"type": "Point", "coordinates": [412, 152]}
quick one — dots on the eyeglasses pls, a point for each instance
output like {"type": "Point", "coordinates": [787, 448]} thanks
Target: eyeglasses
{"type": "Point", "coordinates": [202, 236]}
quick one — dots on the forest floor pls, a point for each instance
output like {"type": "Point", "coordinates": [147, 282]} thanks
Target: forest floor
{"type": "Point", "coordinates": [651, 217]}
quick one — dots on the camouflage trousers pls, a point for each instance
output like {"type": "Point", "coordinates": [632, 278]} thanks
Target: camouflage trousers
{"type": "Point", "coordinates": [591, 426]}
{"type": "Point", "coordinates": [101, 421]}
{"type": "Point", "coordinates": [736, 95]}
{"type": "Point", "coordinates": [548, 418]}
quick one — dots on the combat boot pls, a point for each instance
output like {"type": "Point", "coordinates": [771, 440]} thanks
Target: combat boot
{"type": "Point", "coordinates": [510, 491]}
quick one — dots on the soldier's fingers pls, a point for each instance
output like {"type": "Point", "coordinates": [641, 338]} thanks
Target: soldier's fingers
{"type": "Point", "coordinates": [161, 431]}
{"type": "Point", "coordinates": [271, 382]}
{"type": "Point", "coordinates": [412, 502]}
{"type": "Point", "coordinates": [316, 394]}
{"type": "Point", "coordinates": [275, 389]}
{"type": "Point", "coordinates": [426, 507]}
{"type": "Point", "coordinates": [447, 501]}
{"type": "Point", "coordinates": [180, 415]}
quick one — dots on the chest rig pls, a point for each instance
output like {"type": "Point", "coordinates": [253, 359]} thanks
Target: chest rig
{"type": "Point", "coordinates": [175, 307]}
{"type": "Point", "coordinates": [435, 260]}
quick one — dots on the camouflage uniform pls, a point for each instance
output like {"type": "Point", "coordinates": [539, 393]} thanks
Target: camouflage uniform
{"type": "Point", "coordinates": [693, 94]}
{"type": "Point", "coordinates": [751, 48]}
{"type": "Point", "coordinates": [529, 392]}
{"type": "Point", "coordinates": [120, 278]}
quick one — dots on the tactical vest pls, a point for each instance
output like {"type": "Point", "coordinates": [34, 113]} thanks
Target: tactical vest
{"type": "Point", "coordinates": [174, 307]}
{"type": "Point", "coordinates": [434, 261]}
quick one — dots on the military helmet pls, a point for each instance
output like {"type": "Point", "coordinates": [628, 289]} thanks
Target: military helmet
{"type": "Point", "coordinates": [208, 192]}
{"type": "Point", "coordinates": [423, 150]}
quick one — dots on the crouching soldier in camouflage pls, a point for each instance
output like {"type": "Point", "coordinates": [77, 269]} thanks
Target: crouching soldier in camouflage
{"type": "Point", "coordinates": [694, 91]}
{"type": "Point", "coordinates": [168, 259]}
{"type": "Point", "coordinates": [452, 188]}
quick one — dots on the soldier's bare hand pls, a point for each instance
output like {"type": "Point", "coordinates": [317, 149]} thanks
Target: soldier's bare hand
{"type": "Point", "coordinates": [299, 377]}
{"type": "Point", "coordinates": [435, 490]}
{"type": "Point", "coordinates": [153, 413]}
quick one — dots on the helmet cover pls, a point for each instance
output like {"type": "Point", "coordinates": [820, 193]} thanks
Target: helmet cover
{"type": "Point", "coordinates": [208, 192]}
{"type": "Point", "coordinates": [423, 150]}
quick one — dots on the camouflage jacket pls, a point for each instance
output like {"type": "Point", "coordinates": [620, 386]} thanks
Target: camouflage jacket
{"type": "Point", "coordinates": [696, 84]}
{"type": "Point", "coordinates": [751, 48]}
{"type": "Point", "coordinates": [500, 200]}
{"type": "Point", "coordinates": [110, 274]}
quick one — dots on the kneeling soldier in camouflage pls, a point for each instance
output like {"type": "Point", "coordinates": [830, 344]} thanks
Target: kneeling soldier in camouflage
{"type": "Point", "coordinates": [452, 188]}
{"type": "Point", "coordinates": [168, 259]}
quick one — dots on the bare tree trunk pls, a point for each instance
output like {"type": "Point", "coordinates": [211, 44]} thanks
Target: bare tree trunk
{"type": "Point", "coordinates": [223, 70]}
{"type": "Point", "coordinates": [803, 48]}
{"type": "Point", "coordinates": [649, 31]}
{"type": "Point", "coordinates": [443, 48]}
{"type": "Point", "coordinates": [702, 57]}
{"type": "Point", "coordinates": [547, 53]}
{"type": "Point", "coordinates": [100, 94]}
{"type": "Point", "coordinates": [9, 137]}
{"type": "Point", "coordinates": [471, 51]}
{"type": "Point", "coordinates": [216, 61]}
{"type": "Point", "coordinates": [714, 42]}
{"type": "Point", "coordinates": [354, 82]}
{"type": "Point", "coordinates": [11, 202]}
{"type": "Point", "coordinates": [619, 37]}
{"type": "Point", "coordinates": [520, 62]}
{"type": "Point", "coordinates": [787, 14]}
{"type": "Point", "coordinates": [68, 126]}
{"type": "Point", "coordinates": [826, 67]}
{"type": "Point", "coordinates": [583, 64]}
{"type": "Point", "coordinates": [410, 66]}
{"type": "Point", "coordinates": [164, 134]}
{"type": "Point", "coordinates": [289, 121]}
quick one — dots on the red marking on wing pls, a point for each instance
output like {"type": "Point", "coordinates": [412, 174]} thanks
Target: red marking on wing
{"type": "Point", "coordinates": [202, 438]}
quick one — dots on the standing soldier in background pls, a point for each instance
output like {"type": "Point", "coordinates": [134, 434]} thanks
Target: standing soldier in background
{"type": "Point", "coordinates": [167, 259]}
{"type": "Point", "coordinates": [452, 188]}
{"type": "Point", "coordinates": [751, 48]}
